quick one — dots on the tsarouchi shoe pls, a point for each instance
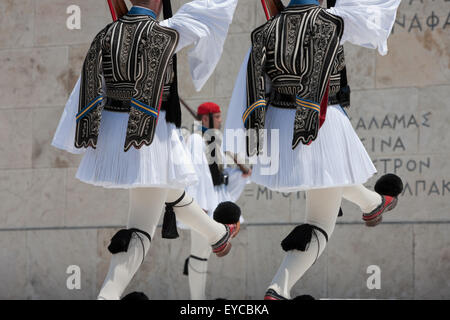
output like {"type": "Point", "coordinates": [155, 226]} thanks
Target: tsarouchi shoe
{"type": "Point", "coordinates": [389, 187]}
{"type": "Point", "coordinates": [375, 217]}
{"type": "Point", "coordinates": [135, 296]}
{"type": "Point", "coordinates": [273, 295]}
{"type": "Point", "coordinates": [223, 246]}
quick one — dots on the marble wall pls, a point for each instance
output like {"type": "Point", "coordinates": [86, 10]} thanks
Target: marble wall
{"type": "Point", "coordinates": [50, 221]}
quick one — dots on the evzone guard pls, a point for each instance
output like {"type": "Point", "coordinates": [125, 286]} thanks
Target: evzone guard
{"type": "Point", "coordinates": [220, 181]}
{"type": "Point", "coordinates": [290, 82]}
{"type": "Point", "coordinates": [124, 114]}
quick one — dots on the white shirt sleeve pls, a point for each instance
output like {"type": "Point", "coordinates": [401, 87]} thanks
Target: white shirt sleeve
{"type": "Point", "coordinates": [205, 24]}
{"type": "Point", "coordinates": [234, 135]}
{"type": "Point", "coordinates": [367, 23]}
{"type": "Point", "coordinates": [236, 183]}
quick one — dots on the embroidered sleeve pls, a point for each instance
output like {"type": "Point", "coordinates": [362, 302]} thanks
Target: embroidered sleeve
{"type": "Point", "coordinates": [254, 115]}
{"type": "Point", "coordinates": [91, 95]}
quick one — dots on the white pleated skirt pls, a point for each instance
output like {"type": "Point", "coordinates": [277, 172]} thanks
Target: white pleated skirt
{"type": "Point", "coordinates": [164, 164]}
{"type": "Point", "coordinates": [336, 158]}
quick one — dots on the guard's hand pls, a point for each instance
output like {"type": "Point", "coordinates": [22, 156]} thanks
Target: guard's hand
{"type": "Point", "coordinates": [248, 174]}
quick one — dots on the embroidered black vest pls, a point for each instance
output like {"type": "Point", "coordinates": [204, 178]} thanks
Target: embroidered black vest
{"type": "Point", "coordinates": [339, 92]}
{"type": "Point", "coordinates": [296, 51]}
{"type": "Point", "coordinates": [126, 70]}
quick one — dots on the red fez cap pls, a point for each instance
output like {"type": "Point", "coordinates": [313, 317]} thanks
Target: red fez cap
{"type": "Point", "coordinates": [207, 108]}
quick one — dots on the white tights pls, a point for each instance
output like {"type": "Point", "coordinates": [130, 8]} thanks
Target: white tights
{"type": "Point", "coordinates": [146, 207]}
{"type": "Point", "coordinates": [198, 268]}
{"type": "Point", "coordinates": [366, 199]}
{"type": "Point", "coordinates": [322, 207]}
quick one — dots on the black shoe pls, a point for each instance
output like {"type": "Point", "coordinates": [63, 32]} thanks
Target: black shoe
{"type": "Point", "coordinates": [389, 188]}
{"type": "Point", "coordinates": [135, 296]}
{"type": "Point", "coordinates": [273, 295]}
{"type": "Point", "coordinates": [304, 297]}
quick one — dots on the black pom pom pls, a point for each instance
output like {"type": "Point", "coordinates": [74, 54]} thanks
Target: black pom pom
{"type": "Point", "coordinates": [120, 241]}
{"type": "Point", "coordinates": [389, 185]}
{"type": "Point", "coordinates": [227, 213]}
{"type": "Point", "coordinates": [135, 296]}
{"type": "Point", "coordinates": [298, 239]}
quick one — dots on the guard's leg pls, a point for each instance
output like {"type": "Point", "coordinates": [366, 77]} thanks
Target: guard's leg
{"type": "Point", "coordinates": [190, 214]}
{"type": "Point", "coordinates": [375, 203]}
{"type": "Point", "coordinates": [366, 199]}
{"type": "Point", "coordinates": [306, 243]}
{"type": "Point", "coordinates": [197, 265]}
{"type": "Point", "coordinates": [146, 206]}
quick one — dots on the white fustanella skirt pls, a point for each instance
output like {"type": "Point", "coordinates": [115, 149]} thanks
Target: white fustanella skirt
{"type": "Point", "coordinates": [166, 163]}
{"type": "Point", "coordinates": [336, 158]}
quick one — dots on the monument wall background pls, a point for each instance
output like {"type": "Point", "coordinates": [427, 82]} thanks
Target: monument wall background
{"type": "Point", "coordinates": [50, 221]}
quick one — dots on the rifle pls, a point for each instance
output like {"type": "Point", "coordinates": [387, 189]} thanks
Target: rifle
{"type": "Point", "coordinates": [118, 8]}
{"type": "Point", "coordinates": [191, 111]}
{"type": "Point", "coordinates": [272, 7]}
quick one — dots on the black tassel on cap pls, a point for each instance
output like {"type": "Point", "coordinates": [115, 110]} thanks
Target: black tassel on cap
{"type": "Point", "coordinates": [172, 106]}
{"type": "Point", "coordinates": [331, 3]}
{"type": "Point", "coordinates": [169, 228]}
{"type": "Point", "coordinates": [343, 95]}
{"type": "Point", "coordinates": [167, 9]}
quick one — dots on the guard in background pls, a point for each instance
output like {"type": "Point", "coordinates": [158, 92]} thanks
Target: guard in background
{"type": "Point", "coordinates": [221, 181]}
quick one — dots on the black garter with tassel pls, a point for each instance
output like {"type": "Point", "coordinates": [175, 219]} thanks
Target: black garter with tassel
{"type": "Point", "coordinates": [186, 263]}
{"type": "Point", "coordinates": [169, 228]}
{"type": "Point", "coordinates": [300, 237]}
{"type": "Point", "coordinates": [121, 240]}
